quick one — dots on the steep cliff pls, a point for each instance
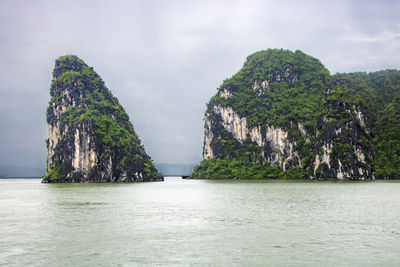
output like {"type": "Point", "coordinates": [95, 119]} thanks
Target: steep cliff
{"type": "Point", "coordinates": [90, 136]}
{"type": "Point", "coordinates": [284, 115]}
{"type": "Point", "coordinates": [381, 113]}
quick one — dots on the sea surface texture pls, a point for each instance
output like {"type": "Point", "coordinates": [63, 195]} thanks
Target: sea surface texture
{"type": "Point", "coordinates": [196, 222]}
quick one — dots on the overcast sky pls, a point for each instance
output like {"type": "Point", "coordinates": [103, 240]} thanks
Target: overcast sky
{"type": "Point", "coordinates": [165, 59]}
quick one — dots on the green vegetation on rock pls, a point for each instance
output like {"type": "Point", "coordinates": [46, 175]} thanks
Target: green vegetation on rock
{"type": "Point", "coordinates": [89, 120]}
{"type": "Point", "coordinates": [386, 144]}
{"type": "Point", "coordinates": [380, 93]}
{"type": "Point", "coordinates": [216, 168]}
{"type": "Point", "coordinates": [301, 122]}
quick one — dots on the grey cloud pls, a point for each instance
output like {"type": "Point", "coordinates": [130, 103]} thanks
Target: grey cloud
{"type": "Point", "coordinates": [165, 59]}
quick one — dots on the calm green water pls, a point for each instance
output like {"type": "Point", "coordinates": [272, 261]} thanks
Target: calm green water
{"type": "Point", "coordinates": [180, 222]}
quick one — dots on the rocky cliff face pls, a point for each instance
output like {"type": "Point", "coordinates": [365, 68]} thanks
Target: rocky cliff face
{"type": "Point", "coordinates": [278, 149]}
{"type": "Point", "coordinates": [90, 136]}
{"type": "Point", "coordinates": [343, 144]}
{"type": "Point", "coordinates": [283, 110]}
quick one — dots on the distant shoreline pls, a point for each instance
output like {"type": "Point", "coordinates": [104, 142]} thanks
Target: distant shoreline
{"type": "Point", "coordinates": [21, 177]}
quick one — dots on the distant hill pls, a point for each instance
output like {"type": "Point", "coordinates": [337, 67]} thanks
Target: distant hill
{"type": "Point", "coordinates": [27, 172]}
{"type": "Point", "coordinates": [175, 169]}
{"type": "Point", "coordinates": [20, 172]}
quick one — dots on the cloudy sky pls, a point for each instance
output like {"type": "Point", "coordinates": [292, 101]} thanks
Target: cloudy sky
{"type": "Point", "coordinates": [165, 59]}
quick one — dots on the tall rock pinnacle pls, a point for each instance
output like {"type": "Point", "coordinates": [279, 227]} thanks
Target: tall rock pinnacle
{"type": "Point", "coordinates": [90, 136]}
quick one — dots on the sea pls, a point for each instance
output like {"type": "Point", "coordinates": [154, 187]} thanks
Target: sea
{"type": "Point", "coordinates": [200, 223]}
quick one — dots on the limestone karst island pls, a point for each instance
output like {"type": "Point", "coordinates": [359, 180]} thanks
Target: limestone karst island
{"type": "Point", "coordinates": [283, 115]}
{"type": "Point", "coordinates": [90, 136]}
